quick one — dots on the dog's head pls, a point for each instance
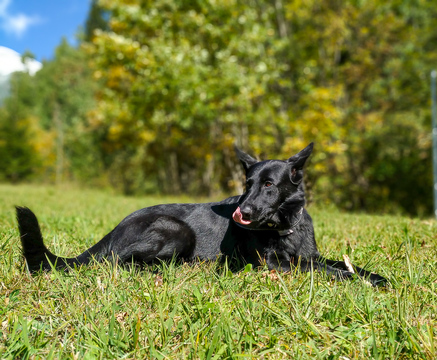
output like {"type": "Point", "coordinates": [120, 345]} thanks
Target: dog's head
{"type": "Point", "coordinates": [274, 191]}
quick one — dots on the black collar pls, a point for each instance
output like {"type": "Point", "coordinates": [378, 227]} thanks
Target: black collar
{"type": "Point", "coordinates": [283, 233]}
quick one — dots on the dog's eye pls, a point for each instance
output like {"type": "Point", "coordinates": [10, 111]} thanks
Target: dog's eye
{"type": "Point", "coordinates": [268, 184]}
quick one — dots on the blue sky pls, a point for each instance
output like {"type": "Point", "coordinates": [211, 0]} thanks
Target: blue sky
{"type": "Point", "coordinates": [39, 25]}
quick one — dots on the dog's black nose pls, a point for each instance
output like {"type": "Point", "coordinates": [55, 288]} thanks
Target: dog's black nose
{"type": "Point", "coordinates": [246, 212]}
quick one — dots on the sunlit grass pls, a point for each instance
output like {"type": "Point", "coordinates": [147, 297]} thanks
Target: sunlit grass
{"type": "Point", "coordinates": [204, 311]}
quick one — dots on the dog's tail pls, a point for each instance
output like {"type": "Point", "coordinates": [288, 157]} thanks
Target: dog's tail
{"type": "Point", "coordinates": [37, 256]}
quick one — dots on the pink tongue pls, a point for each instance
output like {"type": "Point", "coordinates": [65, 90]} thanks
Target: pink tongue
{"type": "Point", "coordinates": [238, 217]}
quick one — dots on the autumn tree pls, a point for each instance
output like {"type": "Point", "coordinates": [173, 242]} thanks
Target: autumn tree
{"type": "Point", "coordinates": [46, 117]}
{"type": "Point", "coordinates": [184, 81]}
{"type": "Point", "coordinates": [159, 92]}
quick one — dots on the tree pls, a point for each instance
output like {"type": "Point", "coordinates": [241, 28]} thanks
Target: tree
{"type": "Point", "coordinates": [18, 146]}
{"type": "Point", "coordinates": [184, 81]}
{"type": "Point", "coordinates": [97, 19]}
{"type": "Point", "coordinates": [48, 113]}
{"type": "Point", "coordinates": [177, 74]}
{"type": "Point", "coordinates": [174, 85]}
{"type": "Point", "coordinates": [65, 95]}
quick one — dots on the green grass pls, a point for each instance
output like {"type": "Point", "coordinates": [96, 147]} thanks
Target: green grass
{"type": "Point", "coordinates": [204, 311]}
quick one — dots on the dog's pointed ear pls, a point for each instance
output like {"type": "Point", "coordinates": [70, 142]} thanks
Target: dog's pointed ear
{"type": "Point", "coordinates": [297, 162]}
{"type": "Point", "coordinates": [245, 159]}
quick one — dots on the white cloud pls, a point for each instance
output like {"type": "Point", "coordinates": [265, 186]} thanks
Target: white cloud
{"type": "Point", "coordinates": [11, 62]}
{"type": "Point", "coordinates": [15, 24]}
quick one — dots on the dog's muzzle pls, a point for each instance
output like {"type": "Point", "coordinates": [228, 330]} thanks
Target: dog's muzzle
{"type": "Point", "coordinates": [238, 217]}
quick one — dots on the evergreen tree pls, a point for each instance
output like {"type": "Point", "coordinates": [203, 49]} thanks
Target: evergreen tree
{"type": "Point", "coordinates": [97, 19]}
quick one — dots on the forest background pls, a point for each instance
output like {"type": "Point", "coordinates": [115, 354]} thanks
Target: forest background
{"type": "Point", "coordinates": [158, 92]}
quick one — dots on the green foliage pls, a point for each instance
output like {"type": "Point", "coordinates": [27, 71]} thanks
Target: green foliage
{"type": "Point", "coordinates": [18, 130]}
{"type": "Point", "coordinates": [65, 96]}
{"type": "Point", "coordinates": [44, 123]}
{"type": "Point", "coordinates": [176, 75]}
{"type": "Point", "coordinates": [160, 91]}
{"type": "Point", "coordinates": [275, 76]}
{"type": "Point", "coordinates": [204, 311]}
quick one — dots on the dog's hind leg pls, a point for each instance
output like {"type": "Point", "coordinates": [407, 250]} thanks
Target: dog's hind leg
{"type": "Point", "coordinates": [141, 239]}
{"type": "Point", "coordinates": [155, 237]}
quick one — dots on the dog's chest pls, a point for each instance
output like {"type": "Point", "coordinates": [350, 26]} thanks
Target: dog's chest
{"type": "Point", "coordinates": [287, 245]}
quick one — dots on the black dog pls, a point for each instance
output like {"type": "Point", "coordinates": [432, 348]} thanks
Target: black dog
{"type": "Point", "coordinates": [267, 224]}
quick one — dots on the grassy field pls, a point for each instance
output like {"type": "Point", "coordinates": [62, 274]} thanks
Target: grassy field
{"type": "Point", "coordinates": [204, 311]}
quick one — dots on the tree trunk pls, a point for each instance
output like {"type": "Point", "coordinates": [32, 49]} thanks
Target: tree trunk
{"type": "Point", "coordinates": [173, 172]}
{"type": "Point", "coordinates": [282, 25]}
{"type": "Point", "coordinates": [59, 143]}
